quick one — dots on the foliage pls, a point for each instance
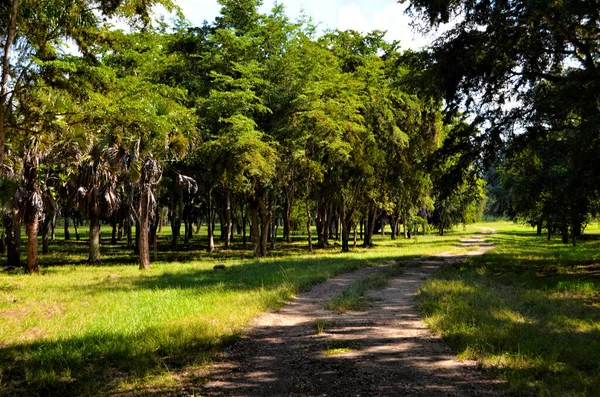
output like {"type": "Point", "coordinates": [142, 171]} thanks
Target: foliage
{"type": "Point", "coordinates": [526, 73]}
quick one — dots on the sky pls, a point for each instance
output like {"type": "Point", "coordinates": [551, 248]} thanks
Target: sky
{"type": "Point", "coordinates": [360, 15]}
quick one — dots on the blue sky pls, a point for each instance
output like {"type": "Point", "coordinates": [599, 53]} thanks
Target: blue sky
{"type": "Point", "coordinates": [360, 15]}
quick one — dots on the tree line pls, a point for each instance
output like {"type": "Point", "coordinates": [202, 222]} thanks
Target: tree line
{"type": "Point", "coordinates": [250, 122]}
{"type": "Point", "coordinates": [528, 75]}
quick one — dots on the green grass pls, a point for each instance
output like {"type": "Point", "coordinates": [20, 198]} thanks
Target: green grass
{"type": "Point", "coordinates": [529, 311]}
{"type": "Point", "coordinates": [353, 297]}
{"type": "Point", "coordinates": [321, 324]}
{"type": "Point", "coordinates": [76, 329]}
{"type": "Point", "coordinates": [336, 347]}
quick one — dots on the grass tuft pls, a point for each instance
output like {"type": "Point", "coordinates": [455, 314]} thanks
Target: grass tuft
{"type": "Point", "coordinates": [336, 347]}
{"type": "Point", "coordinates": [353, 297]}
{"type": "Point", "coordinates": [321, 324]}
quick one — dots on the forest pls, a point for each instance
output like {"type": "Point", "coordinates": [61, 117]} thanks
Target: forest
{"type": "Point", "coordinates": [252, 122]}
{"type": "Point", "coordinates": [255, 136]}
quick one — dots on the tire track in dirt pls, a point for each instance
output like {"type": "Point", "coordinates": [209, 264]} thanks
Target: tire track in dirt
{"type": "Point", "coordinates": [393, 352]}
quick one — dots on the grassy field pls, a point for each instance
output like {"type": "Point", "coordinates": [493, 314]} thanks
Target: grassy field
{"type": "Point", "coordinates": [529, 311]}
{"type": "Point", "coordinates": [111, 329]}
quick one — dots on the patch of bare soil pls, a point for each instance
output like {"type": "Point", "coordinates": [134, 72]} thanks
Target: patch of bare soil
{"type": "Point", "coordinates": [390, 350]}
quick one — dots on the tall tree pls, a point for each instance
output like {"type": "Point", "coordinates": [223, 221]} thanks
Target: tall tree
{"type": "Point", "coordinates": [519, 68]}
{"type": "Point", "coordinates": [31, 29]}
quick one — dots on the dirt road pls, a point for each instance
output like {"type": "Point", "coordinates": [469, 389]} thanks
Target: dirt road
{"type": "Point", "coordinates": [385, 351]}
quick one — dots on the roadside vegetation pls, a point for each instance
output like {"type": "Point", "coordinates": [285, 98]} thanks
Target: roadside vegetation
{"type": "Point", "coordinates": [528, 311]}
{"type": "Point", "coordinates": [354, 296]}
{"type": "Point", "coordinates": [78, 329]}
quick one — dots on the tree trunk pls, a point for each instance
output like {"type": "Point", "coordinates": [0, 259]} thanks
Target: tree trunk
{"type": "Point", "coordinates": [266, 222]}
{"type": "Point", "coordinates": [175, 214]}
{"type": "Point", "coordinates": [161, 220]}
{"type": "Point", "coordinates": [345, 224]}
{"type": "Point", "coordinates": [244, 222]}
{"type": "Point", "coordinates": [368, 241]}
{"type": "Point", "coordinates": [52, 228]}
{"type": "Point", "coordinates": [113, 238]}
{"type": "Point", "coordinates": [228, 219]}
{"type": "Point", "coordinates": [153, 232]}
{"type": "Point", "coordinates": [564, 231]}
{"type": "Point", "coordinates": [11, 226]}
{"type": "Point", "coordinates": [66, 229]}
{"type": "Point", "coordinates": [46, 225]}
{"type": "Point", "coordinates": [191, 229]}
{"type": "Point", "coordinates": [287, 220]}
{"type": "Point", "coordinates": [274, 228]}
{"type": "Point", "coordinates": [175, 228]}
{"type": "Point", "coordinates": [321, 222]}
{"type": "Point", "coordinates": [128, 233]}
{"type": "Point", "coordinates": [94, 242]}
{"type": "Point", "coordinates": [136, 246]}
{"type": "Point", "coordinates": [186, 232]}
{"type": "Point", "coordinates": [6, 71]}
{"type": "Point", "coordinates": [120, 230]}
{"type": "Point", "coordinates": [198, 224]}
{"type": "Point", "coordinates": [211, 240]}
{"type": "Point", "coordinates": [395, 225]}
{"type": "Point", "coordinates": [308, 221]}
{"type": "Point", "coordinates": [345, 236]}
{"type": "Point", "coordinates": [539, 228]}
{"type": "Point", "coordinates": [220, 210]}
{"type": "Point", "coordinates": [254, 229]}
{"type": "Point", "coordinates": [144, 223]}
{"type": "Point", "coordinates": [333, 226]}
{"type": "Point", "coordinates": [355, 235]}
{"type": "Point", "coordinates": [75, 226]}
{"type": "Point", "coordinates": [362, 222]}
{"type": "Point", "coordinates": [32, 245]}
{"type": "Point", "coordinates": [144, 243]}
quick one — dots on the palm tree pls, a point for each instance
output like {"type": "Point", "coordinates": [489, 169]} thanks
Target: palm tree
{"type": "Point", "coordinates": [96, 193]}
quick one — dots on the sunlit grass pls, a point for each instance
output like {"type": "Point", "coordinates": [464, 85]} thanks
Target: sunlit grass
{"type": "Point", "coordinates": [336, 347]}
{"type": "Point", "coordinates": [354, 296]}
{"type": "Point", "coordinates": [85, 330]}
{"type": "Point", "coordinates": [528, 311]}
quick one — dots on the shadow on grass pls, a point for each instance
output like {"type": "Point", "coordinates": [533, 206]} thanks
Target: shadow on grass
{"type": "Point", "coordinates": [69, 253]}
{"type": "Point", "coordinates": [529, 310]}
{"type": "Point", "coordinates": [92, 364]}
{"type": "Point", "coordinates": [302, 273]}
{"type": "Point", "coordinates": [95, 363]}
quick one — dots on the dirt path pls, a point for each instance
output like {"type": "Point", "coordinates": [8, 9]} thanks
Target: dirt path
{"type": "Point", "coordinates": [392, 352]}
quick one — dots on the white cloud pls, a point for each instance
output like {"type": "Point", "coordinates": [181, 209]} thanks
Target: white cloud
{"type": "Point", "coordinates": [391, 18]}
{"type": "Point", "coordinates": [350, 17]}
{"type": "Point", "coordinates": [360, 15]}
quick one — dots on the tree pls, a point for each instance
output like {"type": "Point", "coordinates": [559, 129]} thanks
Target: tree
{"type": "Point", "coordinates": [146, 120]}
{"type": "Point", "coordinates": [31, 29]}
{"type": "Point", "coordinates": [524, 68]}
{"type": "Point", "coordinates": [96, 194]}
